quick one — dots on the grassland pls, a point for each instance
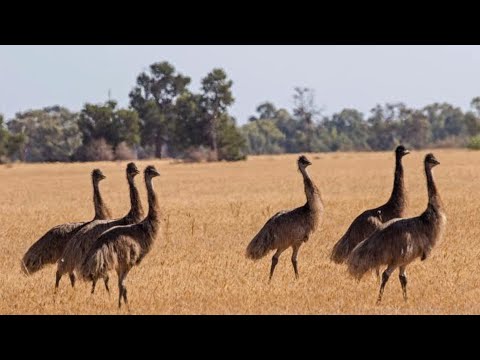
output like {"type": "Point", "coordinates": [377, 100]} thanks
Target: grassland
{"type": "Point", "coordinates": [211, 211]}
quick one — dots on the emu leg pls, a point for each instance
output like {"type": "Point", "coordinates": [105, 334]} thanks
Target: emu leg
{"type": "Point", "coordinates": [122, 289]}
{"type": "Point", "coordinates": [403, 281]}
{"type": "Point", "coordinates": [72, 279]}
{"type": "Point", "coordinates": [294, 260]}
{"type": "Point", "coordinates": [105, 280]}
{"type": "Point", "coordinates": [385, 277]}
{"type": "Point", "coordinates": [274, 263]}
{"type": "Point", "coordinates": [58, 277]}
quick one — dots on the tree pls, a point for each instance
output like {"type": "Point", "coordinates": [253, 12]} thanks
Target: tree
{"type": "Point", "coordinates": [107, 122]}
{"type": "Point", "coordinates": [415, 131]}
{"type": "Point", "coordinates": [266, 110]}
{"type": "Point", "coordinates": [215, 98]}
{"type": "Point", "coordinates": [154, 99]}
{"type": "Point", "coordinates": [445, 121]}
{"type": "Point", "coordinates": [472, 123]}
{"type": "Point", "coordinates": [48, 134]}
{"type": "Point", "coordinates": [475, 104]}
{"type": "Point", "coordinates": [263, 137]}
{"type": "Point", "coordinates": [190, 123]}
{"type": "Point", "coordinates": [114, 126]}
{"type": "Point", "coordinates": [4, 138]}
{"type": "Point", "coordinates": [305, 112]}
{"type": "Point", "coordinates": [231, 143]}
{"type": "Point", "coordinates": [351, 130]}
{"type": "Point", "coordinates": [384, 124]}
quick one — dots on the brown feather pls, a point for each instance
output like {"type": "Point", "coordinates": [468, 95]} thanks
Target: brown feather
{"type": "Point", "coordinates": [400, 241]}
{"type": "Point", "coordinates": [49, 248]}
{"type": "Point", "coordinates": [77, 248]}
{"type": "Point", "coordinates": [370, 220]}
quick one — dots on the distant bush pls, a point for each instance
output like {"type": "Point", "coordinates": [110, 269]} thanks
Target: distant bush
{"type": "Point", "coordinates": [450, 142]}
{"type": "Point", "coordinates": [124, 152]}
{"type": "Point", "coordinates": [198, 154]}
{"type": "Point", "coordinates": [474, 143]}
{"type": "Point", "coordinates": [96, 150]}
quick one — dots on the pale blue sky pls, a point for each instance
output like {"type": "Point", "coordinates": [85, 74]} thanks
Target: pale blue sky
{"type": "Point", "coordinates": [342, 76]}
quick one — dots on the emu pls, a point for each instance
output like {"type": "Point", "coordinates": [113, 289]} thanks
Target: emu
{"type": "Point", "coordinates": [289, 228]}
{"type": "Point", "coordinates": [79, 245]}
{"type": "Point", "coordinates": [49, 248]}
{"type": "Point", "coordinates": [371, 220]}
{"type": "Point", "coordinates": [401, 241]}
{"type": "Point", "coordinates": [123, 247]}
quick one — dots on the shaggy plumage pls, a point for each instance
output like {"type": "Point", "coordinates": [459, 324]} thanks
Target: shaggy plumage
{"type": "Point", "coordinates": [289, 228]}
{"type": "Point", "coordinates": [123, 247]}
{"type": "Point", "coordinates": [49, 248]}
{"type": "Point", "coordinates": [78, 246]}
{"type": "Point", "coordinates": [371, 220]}
{"type": "Point", "coordinates": [400, 241]}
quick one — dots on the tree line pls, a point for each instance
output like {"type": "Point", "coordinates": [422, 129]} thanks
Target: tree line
{"type": "Point", "coordinates": [166, 119]}
{"type": "Point", "coordinates": [275, 131]}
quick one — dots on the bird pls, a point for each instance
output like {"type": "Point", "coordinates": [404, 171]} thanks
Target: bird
{"type": "Point", "coordinates": [81, 242]}
{"type": "Point", "coordinates": [49, 248]}
{"type": "Point", "coordinates": [289, 228]}
{"type": "Point", "coordinates": [371, 220]}
{"type": "Point", "coordinates": [400, 241]}
{"type": "Point", "coordinates": [123, 247]}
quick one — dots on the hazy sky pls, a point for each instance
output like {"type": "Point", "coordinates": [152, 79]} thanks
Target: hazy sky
{"type": "Point", "coordinates": [342, 76]}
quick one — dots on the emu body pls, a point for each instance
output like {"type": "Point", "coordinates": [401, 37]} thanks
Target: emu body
{"type": "Point", "coordinates": [49, 248]}
{"type": "Point", "coordinates": [123, 247]}
{"type": "Point", "coordinates": [400, 241]}
{"type": "Point", "coordinates": [78, 247]}
{"type": "Point", "coordinates": [371, 220]}
{"type": "Point", "coordinates": [289, 228]}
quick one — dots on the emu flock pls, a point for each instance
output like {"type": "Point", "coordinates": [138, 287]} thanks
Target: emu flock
{"type": "Point", "coordinates": [377, 238]}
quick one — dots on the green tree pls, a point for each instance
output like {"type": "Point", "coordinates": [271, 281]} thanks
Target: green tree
{"type": "Point", "coordinates": [216, 97]}
{"type": "Point", "coordinates": [351, 130]}
{"type": "Point", "coordinates": [48, 134]}
{"type": "Point", "coordinates": [415, 131]}
{"type": "Point", "coordinates": [475, 104]}
{"type": "Point", "coordinates": [4, 137]}
{"type": "Point", "coordinates": [154, 99]}
{"type": "Point", "coordinates": [107, 122]}
{"type": "Point", "coordinates": [266, 110]}
{"type": "Point", "coordinates": [305, 112]}
{"type": "Point", "coordinates": [263, 137]}
{"type": "Point", "coordinates": [190, 123]}
{"type": "Point", "coordinates": [231, 143]}
{"type": "Point", "coordinates": [445, 121]}
{"type": "Point", "coordinates": [384, 124]}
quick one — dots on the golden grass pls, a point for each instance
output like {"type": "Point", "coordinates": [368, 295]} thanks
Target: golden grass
{"type": "Point", "coordinates": [211, 211]}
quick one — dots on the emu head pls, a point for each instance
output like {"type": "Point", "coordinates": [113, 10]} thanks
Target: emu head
{"type": "Point", "coordinates": [431, 161]}
{"type": "Point", "coordinates": [151, 172]}
{"type": "Point", "coordinates": [401, 151]}
{"type": "Point", "coordinates": [303, 162]}
{"type": "Point", "coordinates": [132, 170]}
{"type": "Point", "coordinates": [97, 175]}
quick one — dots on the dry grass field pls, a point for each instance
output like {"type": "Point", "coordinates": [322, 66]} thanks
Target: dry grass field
{"type": "Point", "coordinates": [211, 211]}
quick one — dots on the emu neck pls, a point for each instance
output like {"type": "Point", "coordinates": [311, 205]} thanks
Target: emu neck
{"type": "Point", "coordinates": [153, 211]}
{"type": "Point", "coordinates": [434, 201]}
{"type": "Point", "coordinates": [398, 193]}
{"type": "Point", "coordinates": [101, 211]}
{"type": "Point", "coordinates": [136, 210]}
{"type": "Point", "coordinates": [312, 193]}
